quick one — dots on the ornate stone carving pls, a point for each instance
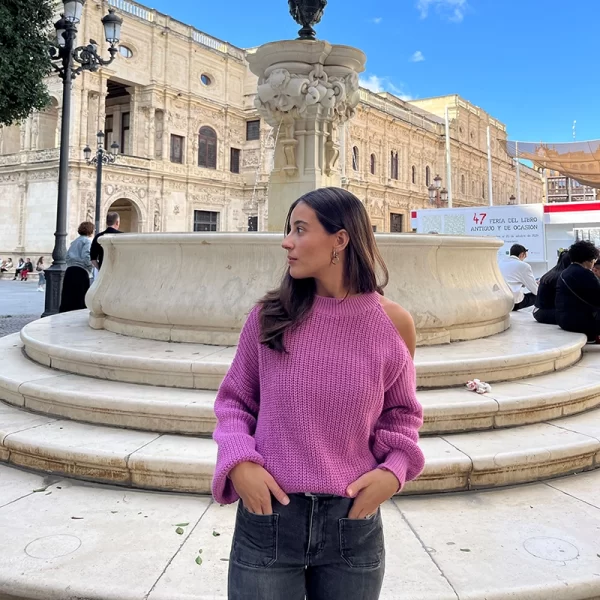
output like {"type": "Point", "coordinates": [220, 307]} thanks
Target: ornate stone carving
{"type": "Point", "coordinates": [90, 204]}
{"type": "Point", "coordinates": [250, 158]}
{"type": "Point", "coordinates": [156, 217]}
{"type": "Point", "coordinates": [282, 93]}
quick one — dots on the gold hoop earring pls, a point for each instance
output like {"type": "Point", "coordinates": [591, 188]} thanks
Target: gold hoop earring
{"type": "Point", "coordinates": [335, 259]}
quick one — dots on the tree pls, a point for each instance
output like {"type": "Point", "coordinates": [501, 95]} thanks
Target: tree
{"type": "Point", "coordinates": [24, 58]}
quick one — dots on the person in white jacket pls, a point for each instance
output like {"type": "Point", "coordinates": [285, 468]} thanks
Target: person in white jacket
{"type": "Point", "coordinates": [519, 277]}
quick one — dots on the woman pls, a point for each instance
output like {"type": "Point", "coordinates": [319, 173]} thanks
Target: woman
{"type": "Point", "coordinates": [318, 417]}
{"type": "Point", "coordinates": [42, 276]}
{"type": "Point", "coordinates": [545, 309]}
{"type": "Point", "coordinates": [79, 270]}
{"type": "Point", "coordinates": [578, 292]}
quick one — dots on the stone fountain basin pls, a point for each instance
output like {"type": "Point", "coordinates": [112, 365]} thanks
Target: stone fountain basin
{"type": "Point", "coordinates": [199, 287]}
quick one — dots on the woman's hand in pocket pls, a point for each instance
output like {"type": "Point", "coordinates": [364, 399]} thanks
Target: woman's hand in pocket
{"type": "Point", "coordinates": [370, 491]}
{"type": "Point", "coordinates": [254, 484]}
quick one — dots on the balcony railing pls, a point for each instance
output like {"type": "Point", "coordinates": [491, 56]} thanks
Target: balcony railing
{"type": "Point", "coordinates": [153, 16]}
{"type": "Point", "coordinates": [406, 115]}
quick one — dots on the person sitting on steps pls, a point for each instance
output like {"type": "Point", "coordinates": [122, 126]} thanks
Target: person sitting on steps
{"type": "Point", "coordinates": [545, 303]}
{"type": "Point", "coordinates": [519, 275]}
{"type": "Point", "coordinates": [578, 293]}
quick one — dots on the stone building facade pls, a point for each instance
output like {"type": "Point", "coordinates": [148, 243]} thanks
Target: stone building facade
{"type": "Point", "coordinates": [196, 156]}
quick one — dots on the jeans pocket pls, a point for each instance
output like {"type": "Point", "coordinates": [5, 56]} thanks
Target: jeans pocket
{"type": "Point", "coordinates": [361, 541]}
{"type": "Point", "coordinates": [255, 539]}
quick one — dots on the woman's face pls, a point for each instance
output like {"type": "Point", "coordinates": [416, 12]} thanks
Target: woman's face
{"type": "Point", "coordinates": [309, 246]}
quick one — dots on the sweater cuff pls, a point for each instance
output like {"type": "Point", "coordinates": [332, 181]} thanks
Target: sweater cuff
{"type": "Point", "coordinates": [397, 463]}
{"type": "Point", "coordinates": [230, 455]}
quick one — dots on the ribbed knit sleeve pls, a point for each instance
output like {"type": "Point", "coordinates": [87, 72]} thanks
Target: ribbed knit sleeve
{"type": "Point", "coordinates": [397, 429]}
{"type": "Point", "coordinates": [236, 409]}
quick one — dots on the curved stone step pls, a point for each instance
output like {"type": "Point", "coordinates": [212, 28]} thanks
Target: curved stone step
{"type": "Point", "coordinates": [65, 342]}
{"type": "Point", "coordinates": [176, 410]}
{"type": "Point", "coordinates": [527, 543]}
{"type": "Point", "coordinates": [186, 464]}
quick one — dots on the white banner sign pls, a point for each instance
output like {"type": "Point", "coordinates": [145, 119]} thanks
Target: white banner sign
{"type": "Point", "coordinates": [523, 224]}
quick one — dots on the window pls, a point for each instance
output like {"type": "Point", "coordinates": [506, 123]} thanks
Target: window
{"type": "Point", "coordinates": [462, 184]}
{"type": "Point", "coordinates": [373, 164]}
{"type": "Point", "coordinates": [177, 149]}
{"type": "Point", "coordinates": [108, 131]}
{"type": "Point", "coordinates": [472, 188]}
{"type": "Point", "coordinates": [234, 160]}
{"type": "Point", "coordinates": [205, 80]}
{"type": "Point", "coordinates": [125, 120]}
{"type": "Point", "coordinates": [414, 174]}
{"type": "Point", "coordinates": [483, 189]}
{"type": "Point", "coordinates": [125, 52]}
{"type": "Point", "coordinates": [355, 158]}
{"type": "Point", "coordinates": [394, 165]}
{"type": "Point", "coordinates": [427, 176]}
{"type": "Point", "coordinates": [396, 222]}
{"type": "Point", "coordinates": [253, 223]}
{"type": "Point", "coordinates": [205, 220]}
{"type": "Point", "coordinates": [374, 228]}
{"type": "Point", "coordinates": [207, 148]}
{"type": "Point", "coordinates": [252, 130]}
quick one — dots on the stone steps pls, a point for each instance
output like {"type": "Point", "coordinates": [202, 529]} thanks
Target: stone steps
{"type": "Point", "coordinates": [514, 543]}
{"type": "Point", "coordinates": [66, 343]}
{"type": "Point", "coordinates": [186, 464]}
{"type": "Point", "coordinates": [178, 410]}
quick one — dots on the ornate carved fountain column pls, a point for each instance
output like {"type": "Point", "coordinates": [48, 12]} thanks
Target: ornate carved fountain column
{"type": "Point", "coordinates": [306, 89]}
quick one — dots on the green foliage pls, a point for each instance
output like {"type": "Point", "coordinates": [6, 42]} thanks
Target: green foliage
{"type": "Point", "coordinates": [24, 59]}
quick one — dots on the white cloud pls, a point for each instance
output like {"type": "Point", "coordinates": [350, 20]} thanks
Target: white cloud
{"type": "Point", "coordinates": [383, 84]}
{"type": "Point", "coordinates": [417, 57]}
{"type": "Point", "coordinates": [377, 20]}
{"type": "Point", "coordinates": [454, 10]}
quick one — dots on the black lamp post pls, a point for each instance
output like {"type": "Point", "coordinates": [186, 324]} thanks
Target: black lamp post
{"type": "Point", "coordinates": [100, 158]}
{"type": "Point", "coordinates": [437, 194]}
{"type": "Point", "coordinates": [307, 13]}
{"type": "Point", "coordinates": [69, 61]}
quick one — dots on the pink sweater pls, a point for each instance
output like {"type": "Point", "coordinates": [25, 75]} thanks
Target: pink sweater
{"type": "Point", "coordinates": [340, 403]}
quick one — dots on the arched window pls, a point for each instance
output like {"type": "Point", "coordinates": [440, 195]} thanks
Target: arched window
{"type": "Point", "coordinates": [355, 158]}
{"type": "Point", "coordinates": [462, 184]}
{"type": "Point", "coordinates": [207, 148]}
{"type": "Point", "coordinates": [394, 165]}
{"type": "Point", "coordinates": [373, 164]}
{"type": "Point", "coordinates": [427, 176]}
{"type": "Point", "coordinates": [414, 174]}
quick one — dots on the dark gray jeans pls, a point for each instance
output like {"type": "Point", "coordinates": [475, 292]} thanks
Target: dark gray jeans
{"type": "Point", "coordinates": [308, 549]}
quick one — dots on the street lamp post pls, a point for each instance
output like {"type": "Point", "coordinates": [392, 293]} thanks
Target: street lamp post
{"type": "Point", "coordinates": [437, 194]}
{"type": "Point", "coordinates": [100, 158]}
{"type": "Point", "coordinates": [69, 61]}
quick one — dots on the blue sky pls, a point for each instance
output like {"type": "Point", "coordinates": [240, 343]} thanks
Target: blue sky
{"type": "Point", "coordinates": [533, 64]}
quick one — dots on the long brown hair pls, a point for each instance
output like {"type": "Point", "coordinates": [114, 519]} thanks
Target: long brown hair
{"type": "Point", "coordinates": [287, 306]}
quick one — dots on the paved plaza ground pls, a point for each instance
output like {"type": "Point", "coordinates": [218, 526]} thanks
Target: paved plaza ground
{"type": "Point", "coordinates": [20, 303]}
